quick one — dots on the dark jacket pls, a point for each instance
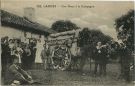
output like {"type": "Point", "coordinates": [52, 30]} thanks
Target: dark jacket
{"type": "Point", "coordinates": [101, 54]}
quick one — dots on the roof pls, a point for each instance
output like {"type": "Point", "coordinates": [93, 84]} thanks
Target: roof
{"type": "Point", "coordinates": [15, 20]}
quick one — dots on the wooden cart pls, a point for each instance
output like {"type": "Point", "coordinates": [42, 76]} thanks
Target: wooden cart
{"type": "Point", "coordinates": [62, 46]}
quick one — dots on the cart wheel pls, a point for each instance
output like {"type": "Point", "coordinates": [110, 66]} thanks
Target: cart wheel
{"type": "Point", "coordinates": [62, 58]}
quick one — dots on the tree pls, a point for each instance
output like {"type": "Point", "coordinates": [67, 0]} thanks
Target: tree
{"type": "Point", "coordinates": [125, 29]}
{"type": "Point", "coordinates": [61, 26]}
{"type": "Point", "coordinates": [87, 40]}
{"type": "Point", "coordinates": [91, 37]}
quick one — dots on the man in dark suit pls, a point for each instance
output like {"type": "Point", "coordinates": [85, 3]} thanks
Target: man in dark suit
{"type": "Point", "coordinates": [100, 58]}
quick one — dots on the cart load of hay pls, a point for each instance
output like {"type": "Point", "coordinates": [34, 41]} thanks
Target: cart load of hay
{"type": "Point", "coordinates": [63, 45]}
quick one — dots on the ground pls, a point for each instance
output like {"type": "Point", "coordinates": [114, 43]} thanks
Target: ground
{"type": "Point", "coordinates": [74, 78]}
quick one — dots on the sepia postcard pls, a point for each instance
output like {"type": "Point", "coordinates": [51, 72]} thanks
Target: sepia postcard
{"type": "Point", "coordinates": [67, 43]}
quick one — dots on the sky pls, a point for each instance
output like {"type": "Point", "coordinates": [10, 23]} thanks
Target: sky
{"type": "Point", "coordinates": [101, 16]}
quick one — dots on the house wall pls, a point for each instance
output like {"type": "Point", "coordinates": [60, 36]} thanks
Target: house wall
{"type": "Point", "coordinates": [16, 33]}
{"type": "Point", "coordinates": [10, 32]}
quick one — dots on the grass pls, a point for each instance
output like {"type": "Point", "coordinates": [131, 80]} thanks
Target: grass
{"type": "Point", "coordinates": [75, 78]}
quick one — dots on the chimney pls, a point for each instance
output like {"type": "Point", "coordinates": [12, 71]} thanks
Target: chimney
{"type": "Point", "coordinates": [29, 13]}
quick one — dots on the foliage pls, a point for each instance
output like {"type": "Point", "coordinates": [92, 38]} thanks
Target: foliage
{"type": "Point", "coordinates": [61, 26]}
{"type": "Point", "coordinates": [88, 37]}
{"type": "Point", "coordinates": [125, 28]}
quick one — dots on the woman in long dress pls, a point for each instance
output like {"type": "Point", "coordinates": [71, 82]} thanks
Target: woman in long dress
{"type": "Point", "coordinates": [38, 53]}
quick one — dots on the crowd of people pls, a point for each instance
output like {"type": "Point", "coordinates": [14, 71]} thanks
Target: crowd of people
{"type": "Point", "coordinates": [14, 50]}
{"type": "Point", "coordinates": [25, 52]}
{"type": "Point", "coordinates": [17, 56]}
